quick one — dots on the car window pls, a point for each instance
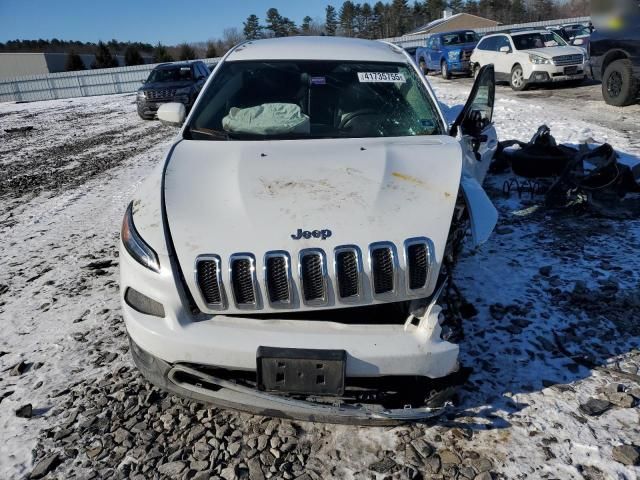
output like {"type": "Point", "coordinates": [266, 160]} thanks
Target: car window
{"type": "Point", "coordinates": [502, 41]}
{"type": "Point", "coordinates": [304, 99]}
{"type": "Point", "coordinates": [175, 74]}
{"type": "Point", "coordinates": [527, 41]}
{"type": "Point", "coordinates": [458, 38]}
{"type": "Point", "coordinates": [488, 44]}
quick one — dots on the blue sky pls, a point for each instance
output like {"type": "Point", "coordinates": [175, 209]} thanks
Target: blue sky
{"type": "Point", "coordinates": [168, 21]}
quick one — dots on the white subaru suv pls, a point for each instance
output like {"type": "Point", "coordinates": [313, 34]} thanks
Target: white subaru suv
{"type": "Point", "coordinates": [531, 57]}
{"type": "Point", "coordinates": [285, 257]}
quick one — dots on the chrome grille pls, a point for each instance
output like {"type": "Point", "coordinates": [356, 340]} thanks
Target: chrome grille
{"type": "Point", "coordinates": [383, 268]}
{"type": "Point", "coordinates": [348, 268]}
{"type": "Point", "coordinates": [242, 268]}
{"type": "Point", "coordinates": [564, 60]}
{"type": "Point", "coordinates": [209, 280]}
{"type": "Point", "coordinates": [277, 278]}
{"type": "Point", "coordinates": [313, 287]}
{"type": "Point", "coordinates": [313, 275]}
{"type": "Point", "coordinates": [160, 94]}
{"type": "Point", "coordinates": [418, 260]}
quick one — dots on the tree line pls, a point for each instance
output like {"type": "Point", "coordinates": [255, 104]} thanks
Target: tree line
{"type": "Point", "coordinates": [363, 20]}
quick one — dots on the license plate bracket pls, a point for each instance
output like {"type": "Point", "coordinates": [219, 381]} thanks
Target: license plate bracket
{"type": "Point", "coordinates": [570, 70]}
{"type": "Point", "coordinates": [301, 371]}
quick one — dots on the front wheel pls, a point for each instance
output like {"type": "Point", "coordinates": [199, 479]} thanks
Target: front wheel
{"type": "Point", "coordinates": [444, 70]}
{"type": "Point", "coordinates": [475, 70]}
{"type": "Point", "coordinates": [518, 83]}
{"type": "Point", "coordinates": [423, 67]}
{"type": "Point", "coordinates": [619, 87]}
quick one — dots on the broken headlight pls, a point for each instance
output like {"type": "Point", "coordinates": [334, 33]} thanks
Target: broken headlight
{"type": "Point", "coordinates": [135, 245]}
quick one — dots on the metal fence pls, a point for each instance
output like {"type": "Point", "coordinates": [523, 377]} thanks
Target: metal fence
{"type": "Point", "coordinates": [409, 41]}
{"type": "Point", "coordinates": [108, 81]}
{"type": "Point", "coordinates": [82, 83]}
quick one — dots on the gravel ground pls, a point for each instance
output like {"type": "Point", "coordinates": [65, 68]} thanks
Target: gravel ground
{"type": "Point", "coordinates": [553, 347]}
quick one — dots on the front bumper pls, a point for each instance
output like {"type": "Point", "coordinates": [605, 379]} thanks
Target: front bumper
{"type": "Point", "coordinates": [230, 343]}
{"type": "Point", "coordinates": [461, 66]}
{"type": "Point", "coordinates": [553, 73]}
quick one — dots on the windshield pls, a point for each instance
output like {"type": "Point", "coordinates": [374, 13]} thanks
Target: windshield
{"type": "Point", "coordinates": [578, 31]}
{"type": "Point", "coordinates": [459, 38]}
{"type": "Point", "coordinates": [297, 99]}
{"type": "Point", "coordinates": [177, 74]}
{"type": "Point", "coordinates": [527, 41]}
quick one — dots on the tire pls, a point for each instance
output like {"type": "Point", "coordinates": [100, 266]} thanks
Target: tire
{"type": "Point", "coordinates": [619, 87]}
{"type": "Point", "coordinates": [516, 80]}
{"type": "Point", "coordinates": [423, 67]}
{"type": "Point", "coordinates": [444, 70]}
{"type": "Point", "coordinates": [475, 70]}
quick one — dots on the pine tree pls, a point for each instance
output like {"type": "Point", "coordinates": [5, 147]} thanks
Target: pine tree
{"type": "Point", "coordinates": [103, 59]}
{"type": "Point", "coordinates": [518, 11]}
{"type": "Point", "coordinates": [401, 14]}
{"type": "Point", "coordinates": [471, 7]}
{"type": "Point", "coordinates": [161, 54]}
{"type": "Point", "coordinates": [331, 21]}
{"type": "Point", "coordinates": [348, 18]}
{"type": "Point", "coordinates": [73, 62]}
{"type": "Point", "coordinates": [186, 52]}
{"type": "Point", "coordinates": [306, 25]}
{"type": "Point", "coordinates": [276, 23]}
{"type": "Point", "coordinates": [252, 28]}
{"type": "Point", "coordinates": [132, 56]}
{"type": "Point", "coordinates": [456, 6]}
{"type": "Point", "coordinates": [365, 21]}
{"type": "Point", "coordinates": [381, 20]}
{"type": "Point", "coordinates": [436, 8]}
{"type": "Point", "coordinates": [212, 51]}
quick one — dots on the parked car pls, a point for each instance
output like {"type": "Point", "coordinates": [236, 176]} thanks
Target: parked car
{"type": "Point", "coordinates": [531, 57]}
{"type": "Point", "coordinates": [615, 60]}
{"type": "Point", "coordinates": [285, 258]}
{"type": "Point", "coordinates": [171, 82]}
{"type": "Point", "coordinates": [447, 53]}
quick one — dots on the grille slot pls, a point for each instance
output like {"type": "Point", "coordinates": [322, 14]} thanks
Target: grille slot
{"type": "Point", "coordinates": [161, 94]}
{"type": "Point", "coordinates": [564, 60]}
{"type": "Point", "coordinates": [383, 269]}
{"type": "Point", "coordinates": [348, 270]}
{"type": "Point", "coordinates": [313, 276]}
{"type": "Point", "coordinates": [278, 278]}
{"type": "Point", "coordinates": [209, 280]}
{"type": "Point", "coordinates": [418, 260]}
{"type": "Point", "coordinates": [243, 280]}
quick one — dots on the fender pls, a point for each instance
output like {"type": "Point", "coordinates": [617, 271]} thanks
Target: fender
{"type": "Point", "coordinates": [483, 216]}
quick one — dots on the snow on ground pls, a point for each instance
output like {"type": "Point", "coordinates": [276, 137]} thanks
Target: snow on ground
{"type": "Point", "coordinates": [556, 294]}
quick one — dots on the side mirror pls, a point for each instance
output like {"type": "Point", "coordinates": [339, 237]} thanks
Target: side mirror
{"type": "Point", "coordinates": [505, 49]}
{"type": "Point", "coordinates": [172, 114]}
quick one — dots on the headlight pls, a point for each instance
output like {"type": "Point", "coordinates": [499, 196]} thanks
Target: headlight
{"type": "Point", "coordinates": [140, 96]}
{"type": "Point", "coordinates": [454, 54]}
{"type": "Point", "coordinates": [538, 60]}
{"type": "Point", "coordinates": [137, 248]}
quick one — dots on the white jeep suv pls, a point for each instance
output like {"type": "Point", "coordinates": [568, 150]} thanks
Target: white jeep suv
{"type": "Point", "coordinates": [527, 57]}
{"type": "Point", "coordinates": [285, 256]}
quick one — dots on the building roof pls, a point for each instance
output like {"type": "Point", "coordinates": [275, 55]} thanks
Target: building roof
{"type": "Point", "coordinates": [456, 19]}
{"type": "Point", "coordinates": [317, 48]}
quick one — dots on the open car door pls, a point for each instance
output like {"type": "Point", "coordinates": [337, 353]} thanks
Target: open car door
{"type": "Point", "coordinates": [478, 138]}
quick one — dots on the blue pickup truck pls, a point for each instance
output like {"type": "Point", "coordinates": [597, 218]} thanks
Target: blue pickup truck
{"type": "Point", "coordinates": [448, 53]}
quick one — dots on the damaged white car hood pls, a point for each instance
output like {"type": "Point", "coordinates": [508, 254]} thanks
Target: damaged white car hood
{"type": "Point", "coordinates": [226, 197]}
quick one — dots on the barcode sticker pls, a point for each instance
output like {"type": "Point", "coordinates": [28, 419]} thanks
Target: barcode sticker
{"type": "Point", "coordinates": [380, 77]}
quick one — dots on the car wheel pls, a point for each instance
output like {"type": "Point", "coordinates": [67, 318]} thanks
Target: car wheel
{"type": "Point", "coordinates": [518, 83]}
{"type": "Point", "coordinates": [423, 67]}
{"type": "Point", "coordinates": [444, 70]}
{"type": "Point", "coordinates": [619, 87]}
{"type": "Point", "coordinates": [475, 70]}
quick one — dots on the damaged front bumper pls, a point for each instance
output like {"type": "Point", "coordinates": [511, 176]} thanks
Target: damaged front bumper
{"type": "Point", "coordinates": [191, 383]}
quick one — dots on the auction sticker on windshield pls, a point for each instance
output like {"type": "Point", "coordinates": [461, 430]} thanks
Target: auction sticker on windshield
{"type": "Point", "coordinates": [380, 77]}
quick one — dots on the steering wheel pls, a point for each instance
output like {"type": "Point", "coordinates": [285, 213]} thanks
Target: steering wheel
{"type": "Point", "coordinates": [351, 115]}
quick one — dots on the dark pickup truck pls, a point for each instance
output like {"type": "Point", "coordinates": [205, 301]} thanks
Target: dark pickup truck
{"type": "Point", "coordinates": [615, 59]}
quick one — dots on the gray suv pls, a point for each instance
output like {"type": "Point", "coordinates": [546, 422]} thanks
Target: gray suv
{"type": "Point", "coordinates": [171, 82]}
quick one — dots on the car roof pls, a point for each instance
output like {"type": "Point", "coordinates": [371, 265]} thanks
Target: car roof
{"type": "Point", "coordinates": [318, 48]}
{"type": "Point", "coordinates": [464, 30]}
{"type": "Point", "coordinates": [168, 66]}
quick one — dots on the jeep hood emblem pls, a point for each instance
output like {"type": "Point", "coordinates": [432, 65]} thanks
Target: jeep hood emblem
{"type": "Point", "coordinates": [323, 234]}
